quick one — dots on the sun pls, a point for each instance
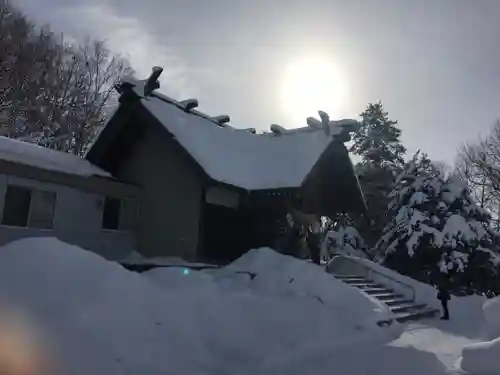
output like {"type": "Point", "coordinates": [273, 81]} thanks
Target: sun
{"type": "Point", "coordinates": [309, 85]}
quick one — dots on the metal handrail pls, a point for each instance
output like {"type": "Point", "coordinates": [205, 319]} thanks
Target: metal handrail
{"type": "Point", "coordinates": [371, 270]}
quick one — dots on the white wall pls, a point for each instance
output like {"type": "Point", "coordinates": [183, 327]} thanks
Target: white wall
{"type": "Point", "coordinates": [77, 220]}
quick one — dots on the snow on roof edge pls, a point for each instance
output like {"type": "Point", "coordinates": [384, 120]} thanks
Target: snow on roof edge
{"type": "Point", "coordinates": [25, 153]}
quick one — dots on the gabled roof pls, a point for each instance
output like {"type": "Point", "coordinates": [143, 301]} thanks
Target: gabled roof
{"type": "Point", "coordinates": [239, 157]}
{"type": "Point", "coordinates": [30, 154]}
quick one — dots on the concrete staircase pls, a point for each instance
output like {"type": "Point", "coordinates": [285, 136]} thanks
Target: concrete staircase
{"type": "Point", "coordinates": [404, 309]}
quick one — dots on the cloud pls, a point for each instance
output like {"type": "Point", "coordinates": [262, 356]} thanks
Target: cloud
{"type": "Point", "coordinates": [129, 37]}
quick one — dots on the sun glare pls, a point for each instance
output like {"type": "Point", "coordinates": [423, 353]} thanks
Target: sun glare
{"type": "Point", "coordinates": [309, 85]}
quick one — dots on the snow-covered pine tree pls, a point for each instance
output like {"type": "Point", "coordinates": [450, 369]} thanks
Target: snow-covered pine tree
{"type": "Point", "coordinates": [438, 233]}
{"type": "Point", "coordinates": [342, 238]}
{"type": "Point", "coordinates": [378, 143]}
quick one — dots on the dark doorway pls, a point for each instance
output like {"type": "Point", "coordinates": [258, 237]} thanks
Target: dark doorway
{"type": "Point", "coordinates": [227, 233]}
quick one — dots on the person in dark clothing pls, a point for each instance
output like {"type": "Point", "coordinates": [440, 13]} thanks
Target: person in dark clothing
{"type": "Point", "coordinates": [444, 296]}
{"type": "Point", "coordinates": [313, 243]}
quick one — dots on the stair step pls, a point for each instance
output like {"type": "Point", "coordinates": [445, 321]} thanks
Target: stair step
{"type": "Point", "coordinates": [376, 290]}
{"type": "Point", "coordinates": [386, 296]}
{"type": "Point", "coordinates": [417, 315]}
{"type": "Point", "coordinates": [351, 278]}
{"type": "Point", "coordinates": [347, 276]}
{"type": "Point", "coordinates": [404, 309]}
{"type": "Point", "coordinates": [368, 284]}
{"type": "Point", "coordinates": [411, 307]}
{"type": "Point", "coordinates": [356, 281]}
{"type": "Point", "coordinates": [397, 301]}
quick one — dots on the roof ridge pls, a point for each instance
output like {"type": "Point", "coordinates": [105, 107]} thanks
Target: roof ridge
{"type": "Point", "coordinates": [145, 89]}
{"type": "Point", "coordinates": [324, 124]}
{"type": "Point", "coordinates": [220, 120]}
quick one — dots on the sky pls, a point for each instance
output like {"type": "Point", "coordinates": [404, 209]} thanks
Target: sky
{"type": "Point", "coordinates": [435, 65]}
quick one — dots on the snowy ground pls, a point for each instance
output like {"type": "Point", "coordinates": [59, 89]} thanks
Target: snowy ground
{"type": "Point", "coordinates": [263, 314]}
{"type": "Point", "coordinates": [440, 342]}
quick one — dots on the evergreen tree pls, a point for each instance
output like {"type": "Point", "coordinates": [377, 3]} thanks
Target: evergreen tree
{"type": "Point", "coordinates": [342, 238]}
{"type": "Point", "coordinates": [378, 138]}
{"type": "Point", "coordinates": [438, 233]}
{"type": "Point", "coordinates": [378, 143]}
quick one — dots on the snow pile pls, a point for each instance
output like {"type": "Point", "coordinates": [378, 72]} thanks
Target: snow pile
{"type": "Point", "coordinates": [267, 273]}
{"type": "Point", "coordinates": [285, 275]}
{"type": "Point", "coordinates": [102, 319]}
{"type": "Point", "coordinates": [240, 158]}
{"type": "Point", "coordinates": [468, 309]}
{"type": "Point", "coordinates": [491, 310]}
{"type": "Point", "coordinates": [483, 358]}
{"type": "Point", "coordinates": [365, 357]}
{"type": "Point", "coordinates": [45, 158]}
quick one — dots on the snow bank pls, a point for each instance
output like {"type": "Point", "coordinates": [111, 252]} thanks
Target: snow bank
{"type": "Point", "coordinates": [482, 358]}
{"type": "Point", "coordinates": [265, 272]}
{"type": "Point", "coordinates": [275, 273]}
{"type": "Point", "coordinates": [468, 309]}
{"type": "Point", "coordinates": [41, 157]}
{"type": "Point", "coordinates": [103, 319]}
{"type": "Point", "coordinates": [491, 310]}
{"type": "Point", "coordinates": [366, 357]}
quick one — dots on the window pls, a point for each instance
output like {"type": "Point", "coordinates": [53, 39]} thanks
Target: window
{"type": "Point", "coordinates": [16, 208]}
{"type": "Point", "coordinates": [42, 209]}
{"type": "Point", "coordinates": [119, 214]}
{"type": "Point", "coordinates": [111, 213]}
{"type": "Point", "coordinates": [25, 207]}
{"type": "Point", "coordinates": [128, 217]}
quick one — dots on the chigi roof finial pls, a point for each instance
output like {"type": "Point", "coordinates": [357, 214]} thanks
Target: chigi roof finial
{"type": "Point", "coordinates": [221, 119]}
{"type": "Point", "coordinates": [325, 121]}
{"type": "Point", "coordinates": [277, 129]}
{"type": "Point", "coordinates": [152, 82]}
{"type": "Point", "coordinates": [189, 104]}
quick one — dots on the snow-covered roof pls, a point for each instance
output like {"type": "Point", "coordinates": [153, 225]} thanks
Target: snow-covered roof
{"type": "Point", "coordinates": [41, 157]}
{"type": "Point", "coordinates": [239, 157]}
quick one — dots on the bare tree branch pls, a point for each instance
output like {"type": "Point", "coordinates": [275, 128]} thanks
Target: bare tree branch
{"type": "Point", "coordinates": [53, 93]}
{"type": "Point", "coordinates": [478, 163]}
